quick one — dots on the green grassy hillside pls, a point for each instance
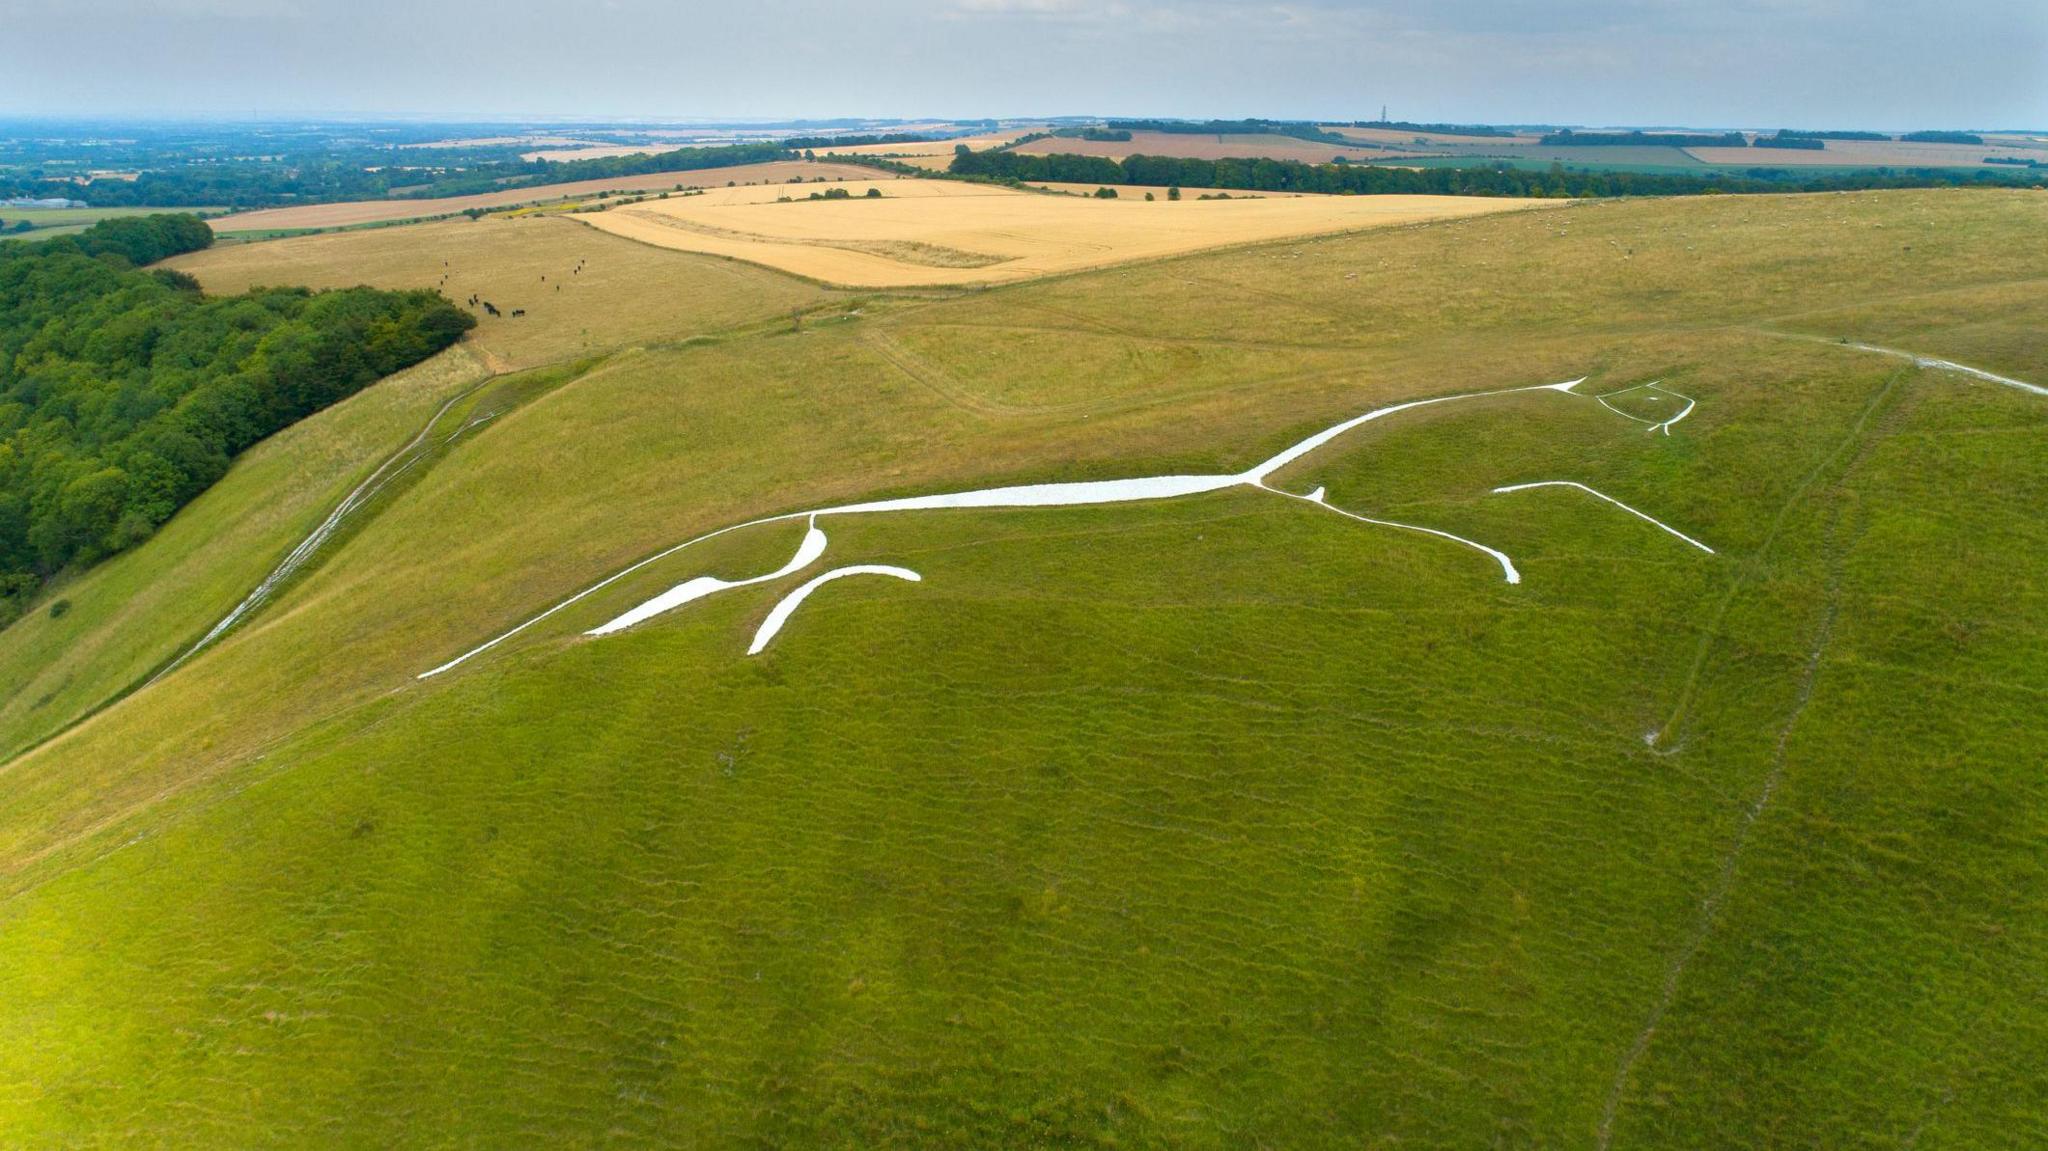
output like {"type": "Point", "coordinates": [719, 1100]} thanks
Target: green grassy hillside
{"type": "Point", "coordinates": [1220, 821]}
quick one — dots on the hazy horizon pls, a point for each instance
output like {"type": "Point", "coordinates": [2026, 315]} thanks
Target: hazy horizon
{"type": "Point", "coordinates": [1756, 63]}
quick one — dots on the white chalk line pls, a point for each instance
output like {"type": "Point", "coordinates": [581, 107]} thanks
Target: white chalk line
{"type": "Point", "coordinates": [807, 552]}
{"type": "Point", "coordinates": [788, 604]}
{"type": "Point", "coordinates": [1690, 404]}
{"type": "Point", "coordinates": [1654, 386]}
{"type": "Point", "coordinates": [1610, 499]}
{"type": "Point", "coordinates": [1041, 495]}
{"type": "Point", "coordinates": [1507, 566]}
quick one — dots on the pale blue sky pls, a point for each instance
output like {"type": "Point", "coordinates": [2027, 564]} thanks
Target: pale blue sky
{"type": "Point", "coordinates": [1754, 63]}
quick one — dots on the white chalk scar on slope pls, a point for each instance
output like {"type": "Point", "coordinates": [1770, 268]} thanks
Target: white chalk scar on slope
{"type": "Point", "coordinates": [789, 603]}
{"type": "Point", "coordinates": [1019, 496]}
{"type": "Point", "coordinates": [1652, 386]}
{"type": "Point", "coordinates": [1610, 499]}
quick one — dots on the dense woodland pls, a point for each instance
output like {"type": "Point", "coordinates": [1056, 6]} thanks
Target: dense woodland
{"type": "Point", "coordinates": [125, 392]}
{"type": "Point", "coordinates": [1501, 180]}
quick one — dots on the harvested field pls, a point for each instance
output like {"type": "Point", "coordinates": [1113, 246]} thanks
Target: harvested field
{"type": "Point", "coordinates": [386, 211]}
{"type": "Point", "coordinates": [936, 232]}
{"type": "Point", "coordinates": [1261, 145]}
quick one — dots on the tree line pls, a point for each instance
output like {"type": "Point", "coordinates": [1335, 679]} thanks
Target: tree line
{"type": "Point", "coordinates": [1569, 138]}
{"type": "Point", "coordinates": [1436, 129]}
{"type": "Point", "coordinates": [125, 392]}
{"type": "Point", "coordinates": [1266, 175]}
{"type": "Point", "coordinates": [1296, 129]}
{"type": "Point", "coordinates": [313, 179]}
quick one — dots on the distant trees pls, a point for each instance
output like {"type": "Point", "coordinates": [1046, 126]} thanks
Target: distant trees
{"type": "Point", "coordinates": [1297, 129]}
{"type": "Point", "coordinates": [124, 393]}
{"type": "Point", "coordinates": [1942, 138]}
{"type": "Point", "coordinates": [1569, 138]}
{"type": "Point", "coordinates": [1105, 193]}
{"type": "Point", "coordinates": [1793, 133]}
{"type": "Point", "coordinates": [807, 143]}
{"type": "Point", "coordinates": [1437, 129]}
{"type": "Point", "coordinates": [1801, 143]}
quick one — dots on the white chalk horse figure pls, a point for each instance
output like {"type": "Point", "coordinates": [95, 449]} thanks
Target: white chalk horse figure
{"type": "Point", "coordinates": [1023, 496]}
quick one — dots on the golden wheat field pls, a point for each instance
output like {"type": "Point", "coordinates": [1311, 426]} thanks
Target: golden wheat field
{"type": "Point", "coordinates": [929, 232]}
{"type": "Point", "coordinates": [344, 215]}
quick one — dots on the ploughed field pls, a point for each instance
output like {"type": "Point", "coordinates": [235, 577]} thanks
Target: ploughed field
{"type": "Point", "coordinates": [1218, 819]}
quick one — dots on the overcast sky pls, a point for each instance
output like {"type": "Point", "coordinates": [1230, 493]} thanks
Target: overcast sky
{"type": "Point", "coordinates": [1746, 63]}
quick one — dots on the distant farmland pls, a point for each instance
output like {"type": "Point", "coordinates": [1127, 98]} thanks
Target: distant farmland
{"type": "Point", "coordinates": [385, 211]}
{"type": "Point", "coordinates": [939, 232]}
{"type": "Point", "coordinates": [1267, 146]}
{"type": "Point", "coordinates": [934, 154]}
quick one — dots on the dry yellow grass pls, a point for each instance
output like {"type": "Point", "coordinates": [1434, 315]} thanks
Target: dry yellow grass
{"type": "Point", "coordinates": [384, 211]}
{"type": "Point", "coordinates": [940, 232]}
{"type": "Point", "coordinates": [599, 293]}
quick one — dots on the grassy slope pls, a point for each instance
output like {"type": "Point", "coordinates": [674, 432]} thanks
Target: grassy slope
{"type": "Point", "coordinates": [1215, 822]}
{"type": "Point", "coordinates": [128, 615]}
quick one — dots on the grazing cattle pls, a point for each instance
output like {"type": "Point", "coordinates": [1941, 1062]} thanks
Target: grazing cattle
{"type": "Point", "coordinates": [489, 307]}
{"type": "Point", "coordinates": [519, 311]}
